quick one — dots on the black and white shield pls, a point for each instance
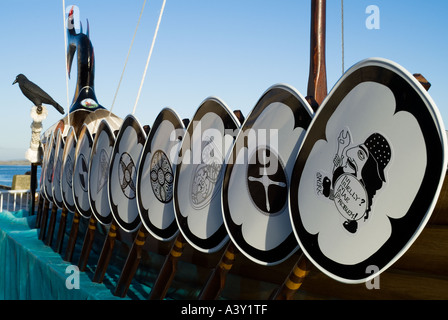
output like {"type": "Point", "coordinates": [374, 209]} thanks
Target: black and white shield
{"type": "Point", "coordinates": [369, 172]}
{"type": "Point", "coordinates": [68, 163]}
{"type": "Point", "coordinates": [198, 181]}
{"type": "Point", "coordinates": [123, 173]}
{"type": "Point", "coordinates": [81, 172]}
{"type": "Point", "coordinates": [155, 176]}
{"type": "Point", "coordinates": [102, 147]}
{"type": "Point", "coordinates": [57, 191]}
{"type": "Point", "coordinates": [49, 166]}
{"type": "Point", "coordinates": [256, 180]}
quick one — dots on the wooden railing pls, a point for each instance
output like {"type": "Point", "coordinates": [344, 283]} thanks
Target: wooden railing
{"type": "Point", "coordinates": [14, 200]}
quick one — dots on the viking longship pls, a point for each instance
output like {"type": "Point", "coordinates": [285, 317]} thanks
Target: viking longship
{"type": "Point", "coordinates": [209, 208]}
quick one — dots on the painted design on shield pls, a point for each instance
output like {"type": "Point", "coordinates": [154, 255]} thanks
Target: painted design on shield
{"type": "Point", "coordinates": [68, 170]}
{"type": "Point", "coordinates": [267, 187]}
{"type": "Point", "coordinates": [104, 169]}
{"type": "Point", "coordinates": [358, 173]}
{"type": "Point", "coordinates": [162, 177]}
{"type": "Point", "coordinates": [127, 175]}
{"type": "Point", "coordinates": [125, 159]}
{"type": "Point", "coordinates": [83, 172]}
{"type": "Point", "coordinates": [207, 175]}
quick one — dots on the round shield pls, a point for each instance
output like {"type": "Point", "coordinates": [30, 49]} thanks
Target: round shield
{"type": "Point", "coordinates": [68, 163]}
{"type": "Point", "coordinates": [198, 179]}
{"type": "Point", "coordinates": [57, 192]}
{"type": "Point", "coordinates": [369, 172]}
{"type": "Point", "coordinates": [255, 191]}
{"type": "Point", "coordinates": [81, 172]}
{"type": "Point", "coordinates": [123, 173]}
{"type": "Point", "coordinates": [155, 175]}
{"type": "Point", "coordinates": [102, 147]}
{"type": "Point", "coordinates": [49, 167]}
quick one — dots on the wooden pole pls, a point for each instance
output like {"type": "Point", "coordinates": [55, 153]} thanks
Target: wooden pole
{"type": "Point", "coordinates": [39, 209]}
{"type": "Point", "coordinates": [317, 91]}
{"type": "Point", "coordinates": [294, 280]}
{"type": "Point", "coordinates": [43, 219]}
{"type": "Point", "coordinates": [131, 264]}
{"type": "Point", "coordinates": [169, 268]}
{"type": "Point", "coordinates": [61, 230]}
{"type": "Point", "coordinates": [73, 236]}
{"type": "Point", "coordinates": [33, 186]}
{"type": "Point", "coordinates": [106, 253]}
{"type": "Point", "coordinates": [87, 244]}
{"type": "Point", "coordinates": [217, 279]}
{"type": "Point", "coordinates": [317, 81]}
{"type": "Point", "coordinates": [51, 224]}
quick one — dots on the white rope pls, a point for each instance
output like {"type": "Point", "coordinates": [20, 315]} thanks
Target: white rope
{"type": "Point", "coordinates": [127, 58]}
{"type": "Point", "coordinates": [66, 62]}
{"type": "Point", "coordinates": [149, 56]}
{"type": "Point", "coordinates": [342, 35]}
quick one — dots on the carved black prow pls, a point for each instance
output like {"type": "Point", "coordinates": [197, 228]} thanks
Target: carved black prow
{"type": "Point", "coordinates": [84, 97]}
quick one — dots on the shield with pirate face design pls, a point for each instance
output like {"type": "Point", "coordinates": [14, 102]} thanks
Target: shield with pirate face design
{"type": "Point", "coordinates": [99, 173]}
{"type": "Point", "coordinates": [198, 179]}
{"type": "Point", "coordinates": [369, 172]}
{"type": "Point", "coordinates": [123, 172]}
{"type": "Point", "coordinates": [256, 179]}
{"type": "Point", "coordinates": [155, 177]}
{"type": "Point", "coordinates": [81, 172]}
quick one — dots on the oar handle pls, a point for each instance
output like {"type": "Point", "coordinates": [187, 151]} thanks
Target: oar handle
{"type": "Point", "coordinates": [43, 219]}
{"type": "Point", "coordinates": [73, 236]}
{"type": "Point", "coordinates": [106, 254]}
{"type": "Point", "coordinates": [61, 230]}
{"type": "Point", "coordinates": [217, 279]}
{"type": "Point", "coordinates": [131, 264]}
{"type": "Point", "coordinates": [294, 280]}
{"type": "Point", "coordinates": [87, 245]}
{"type": "Point", "coordinates": [39, 209]}
{"type": "Point", "coordinates": [169, 268]}
{"type": "Point", "coordinates": [51, 225]}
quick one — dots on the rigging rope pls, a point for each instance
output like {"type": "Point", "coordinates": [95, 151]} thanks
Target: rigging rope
{"type": "Point", "coordinates": [126, 62]}
{"type": "Point", "coordinates": [149, 55]}
{"type": "Point", "coordinates": [342, 35]}
{"type": "Point", "coordinates": [66, 62]}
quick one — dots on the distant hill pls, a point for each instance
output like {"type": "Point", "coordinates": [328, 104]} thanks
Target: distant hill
{"type": "Point", "coordinates": [15, 163]}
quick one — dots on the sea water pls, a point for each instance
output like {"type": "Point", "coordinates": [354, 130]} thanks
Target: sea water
{"type": "Point", "coordinates": [7, 172]}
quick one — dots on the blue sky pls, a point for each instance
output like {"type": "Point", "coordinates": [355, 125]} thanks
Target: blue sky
{"type": "Point", "coordinates": [231, 49]}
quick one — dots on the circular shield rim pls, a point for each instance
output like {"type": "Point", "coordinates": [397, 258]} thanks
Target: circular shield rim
{"type": "Point", "coordinates": [70, 145]}
{"type": "Point", "coordinates": [132, 121]}
{"type": "Point", "coordinates": [83, 136]}
{"type": "Point", "coordinates": [102, 127]}
{"type": "Point", "coordinates": [384, 257]}
{"type": "Point", "coordinates": [276, 255]}
{"type": "Point", "coordinates": [172, 230]}
{"type": "Point", "coordinates": [220, 237]}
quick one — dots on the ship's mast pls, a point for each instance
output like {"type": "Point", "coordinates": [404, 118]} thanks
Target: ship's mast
{"type": "Point", "coordinates": [317, 81]}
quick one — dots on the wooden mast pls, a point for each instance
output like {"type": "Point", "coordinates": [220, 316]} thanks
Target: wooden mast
{"type": "Point", "coordinates": [317, 80]}
{"type": "Point", "coordinates": [317, 91]}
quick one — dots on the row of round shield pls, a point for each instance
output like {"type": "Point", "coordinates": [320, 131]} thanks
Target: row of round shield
{"type": "Point", "coordinates": [352, 186]}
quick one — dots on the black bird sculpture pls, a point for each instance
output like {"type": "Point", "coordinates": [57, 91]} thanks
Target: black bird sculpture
{"type": "Point", "coordinates": [35, 94]}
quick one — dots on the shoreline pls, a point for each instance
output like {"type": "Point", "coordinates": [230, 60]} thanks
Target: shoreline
{"type": "Point", "coordinates": [15, 163]}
